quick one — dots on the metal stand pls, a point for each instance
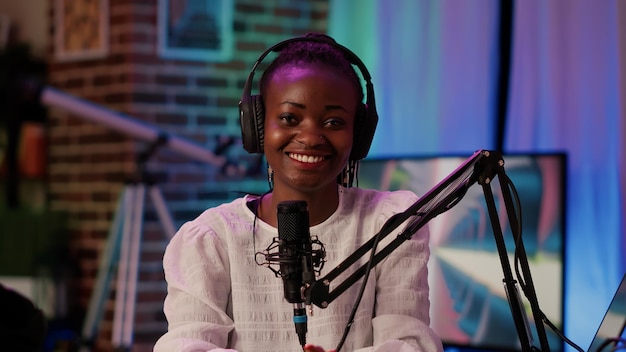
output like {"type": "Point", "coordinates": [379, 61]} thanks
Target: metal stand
{"type": "Point", "coordinates": [494, 167]}
{"type": "Point", "coordinates": [124, 247]}
{"type": "Point", "coordinates": [482, 167]}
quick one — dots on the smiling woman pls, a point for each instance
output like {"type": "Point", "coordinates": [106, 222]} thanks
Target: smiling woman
{"type": "Point", "coordinates": [309, 126]}
{"type": "Point", "coordinates": [311, 123]}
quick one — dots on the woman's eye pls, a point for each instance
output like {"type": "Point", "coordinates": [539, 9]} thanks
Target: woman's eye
{"type": "Point", "coordinates": [335, 122]}
{"type": "Point", "coordinates": [288, 118]}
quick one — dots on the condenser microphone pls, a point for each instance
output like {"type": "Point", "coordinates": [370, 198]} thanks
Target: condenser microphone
{"type": "Point", "coordinates": [296, 258]}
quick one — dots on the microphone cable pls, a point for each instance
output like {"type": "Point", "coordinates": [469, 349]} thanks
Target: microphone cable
{"type": "Point", "coordinates": [368, 269]}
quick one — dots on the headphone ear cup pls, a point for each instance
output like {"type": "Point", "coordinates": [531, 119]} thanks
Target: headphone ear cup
{"type": "Point", "coordinates": [251, 119]}
{"type": "Point", "coordinates": [364, 129]}
{"type": "Point", "coordinates": [259, 120]}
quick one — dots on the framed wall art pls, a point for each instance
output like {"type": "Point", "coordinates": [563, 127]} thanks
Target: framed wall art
{"type": "Point", "coordinates": [195, 30]}
{"type": "Point", "coordinates": [81, 29]}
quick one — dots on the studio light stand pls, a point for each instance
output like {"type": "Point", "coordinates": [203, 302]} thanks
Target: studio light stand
{"type": "Point", "coordinates": [486, 171]}
{"type": "Point", "coordinates": [123, 245]}
{"type": "Point", "coordinates": [124, 248]}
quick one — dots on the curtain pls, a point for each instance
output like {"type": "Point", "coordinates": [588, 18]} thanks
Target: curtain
{"type": "Point", "coordinates": [435, 68]}
{"type": "Point", "coordinates": [565, 94]}
{"type": "Point", "coordinates": [432, 66]}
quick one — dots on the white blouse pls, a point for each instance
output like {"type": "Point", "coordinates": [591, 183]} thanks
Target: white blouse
{"type": "Point", "coordinates": [220, 299]}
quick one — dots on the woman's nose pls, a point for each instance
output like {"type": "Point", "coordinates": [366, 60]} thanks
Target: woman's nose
{"type": "Point", "coordinates": [311, 136]}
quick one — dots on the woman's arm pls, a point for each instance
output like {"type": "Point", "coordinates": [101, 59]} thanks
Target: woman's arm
{"type": "Point", "coordinates": [198, 292]}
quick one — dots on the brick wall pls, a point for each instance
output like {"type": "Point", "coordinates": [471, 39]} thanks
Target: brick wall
{"type": "Point", "coordinates": [90, 163]}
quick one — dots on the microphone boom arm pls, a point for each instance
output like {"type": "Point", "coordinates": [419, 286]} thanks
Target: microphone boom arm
{"type": "Point", "coordinates": [431, 204]}
{"type": "Point", "coordinates": [482, 167]}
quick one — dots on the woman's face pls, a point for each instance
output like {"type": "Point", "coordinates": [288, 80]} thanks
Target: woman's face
{"type": "Point", "coordinates": [309, 124]}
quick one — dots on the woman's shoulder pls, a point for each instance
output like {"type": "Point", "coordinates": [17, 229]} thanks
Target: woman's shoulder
{"type": "Point", "coordinates": [220, 217]}
{"type": "Point", "coordinates": [365, 195]}
{"type": "Point", "coordinates": [235, 206]}
{"type": "Point", "coordinates": [372, 201]}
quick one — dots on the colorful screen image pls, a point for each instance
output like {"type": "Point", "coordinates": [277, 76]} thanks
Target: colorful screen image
{"type": "Point", "coordinates": [469, 305]}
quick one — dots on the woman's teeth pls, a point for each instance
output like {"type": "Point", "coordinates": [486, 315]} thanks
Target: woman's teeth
{"type": "Point", "coordinates": [306, 158]}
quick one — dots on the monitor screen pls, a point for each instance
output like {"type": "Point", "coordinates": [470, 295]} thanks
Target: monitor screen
{"type": "Point", "coordinates": [469, 307]}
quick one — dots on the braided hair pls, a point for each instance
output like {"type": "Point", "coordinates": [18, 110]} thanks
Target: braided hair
{"type": "Point", "coordinates": [313, 52]}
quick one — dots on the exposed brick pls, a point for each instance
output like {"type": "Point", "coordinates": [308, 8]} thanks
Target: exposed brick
{"type": "Point", "coordinates": [90, 164]}
{"type": "Point", "coordinates": [189, 99]}
{"type": "Point", "coordinates": [149, 98]}
{"type": "Point", "coordinates": [171, 80]}
{"type": "Point", "coordinates": [142, 58]}
{"type": "Point", "coordinates": [74, 83]}
{"type": "Point", "coordinates": [132, 77]}
{"type": "Point", "coordinates": [101, 197]}
{"type": "Point", "coordinates": [227, 102]}
{"type": "Point", "coordinates": [269, 29]}
{"type": "Point", "coordinates": [174, 196]}
{"type": "Point", "coordinates": [133, 38]}
{"type": "Point", "coordinates": [256, 47]}
{"type": "Point", "coordinates": [172, 119]}
{"type": "Point", "coordinates": [96, 138]}
{"type": "Point", "coordinates": [134, 2]}
{"type": "Point", "coordinates": [190, 214]}
{"type": "Point", "coordinates": [211, 82]}
{"type": "Point", "coordinates": [232, 65]}
{"type": "Point", "coordinates": [319, 15]}
{"type": "Point", "coordinates": [115, 59]}
{"type": "Point", "coordinates": [116, 98]}
{"type": "Point", "coordinates": [132, 18]}
{"type": "Point", "coordinates": [254, 9]}
{"type": "Point", "coordinates": [211, 120]}
{"type": "Point", "coordinates": [102, 80]}
{"type": "Point", "coordinates": [287, 12]}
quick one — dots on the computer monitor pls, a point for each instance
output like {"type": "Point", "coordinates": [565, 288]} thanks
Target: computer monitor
{"type": "Point", "coordinates": [469, 308]}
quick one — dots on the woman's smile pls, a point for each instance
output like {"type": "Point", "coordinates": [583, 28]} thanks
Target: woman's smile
{"type": "Point", "coordinates": [308, 159]}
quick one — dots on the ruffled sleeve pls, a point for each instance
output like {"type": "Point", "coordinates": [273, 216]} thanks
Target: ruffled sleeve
{"type": "Point", "coordinates": [197, 271]}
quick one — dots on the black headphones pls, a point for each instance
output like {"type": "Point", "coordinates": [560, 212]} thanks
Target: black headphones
{"type": "Point", "coordinates": [252, 111]}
